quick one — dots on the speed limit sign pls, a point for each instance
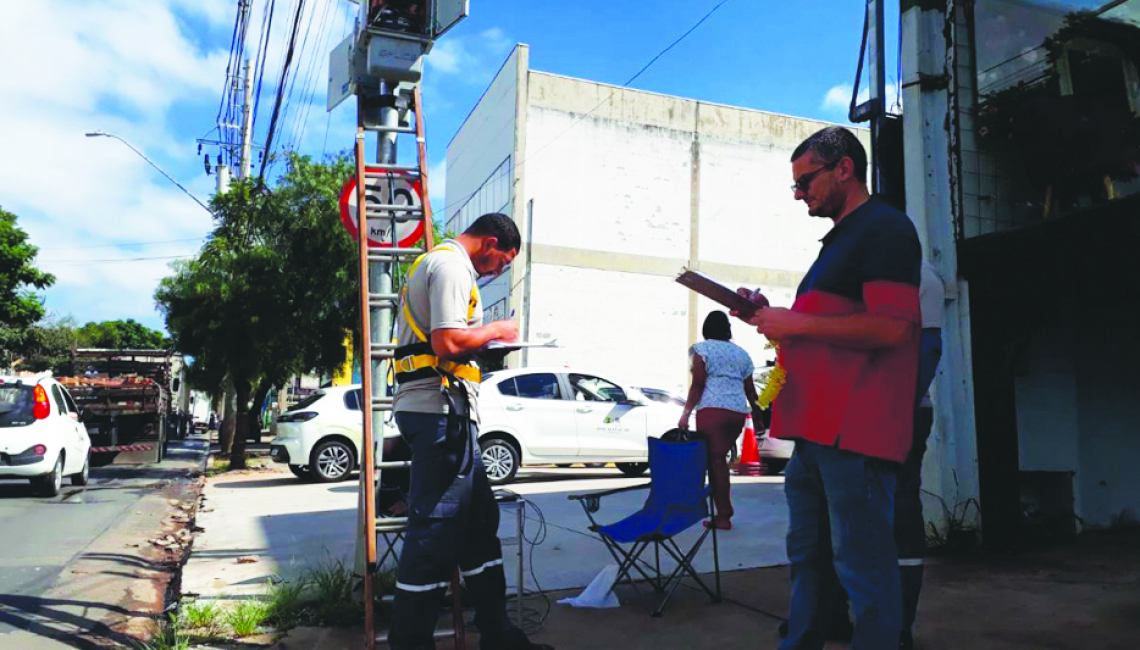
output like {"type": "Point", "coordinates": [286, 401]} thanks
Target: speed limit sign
{"type": "Point", "coordinates": [384, 188]}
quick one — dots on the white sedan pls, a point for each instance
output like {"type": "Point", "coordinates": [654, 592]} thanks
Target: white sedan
{"type": "Point", "coordinates": [41, 438]}
{"type": "Point", "coordinates": [320, 437]}
{"type": "Point", "coordinates": [539, 416]}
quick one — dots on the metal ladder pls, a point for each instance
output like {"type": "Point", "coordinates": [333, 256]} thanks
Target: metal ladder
{"type": "Point", "coordinates": [379, 307]}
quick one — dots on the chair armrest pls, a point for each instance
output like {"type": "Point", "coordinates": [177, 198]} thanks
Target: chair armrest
{"type": "Point", "coordinates": [592, 501]}
{"type": "Point", "coordinates": [606, 493]}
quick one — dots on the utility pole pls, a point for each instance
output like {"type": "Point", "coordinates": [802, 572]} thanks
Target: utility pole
{"type": "Point", "coordinates": [878, 91]}
{"type": "Point", "coordinates": [247, 120]}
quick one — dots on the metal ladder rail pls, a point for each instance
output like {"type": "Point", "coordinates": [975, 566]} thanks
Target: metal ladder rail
{"type": "Point", "coordinates": [383, 351]}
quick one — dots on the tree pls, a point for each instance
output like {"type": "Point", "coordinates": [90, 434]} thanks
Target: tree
{"type": "Point", "coordinates": [47, 346]}
{"type": "Point", "coordinates": [20, 307]}
{"type": "Point", "coordinates": [120, 335]}
{"type": "Point", "coordinates": [273, 292]}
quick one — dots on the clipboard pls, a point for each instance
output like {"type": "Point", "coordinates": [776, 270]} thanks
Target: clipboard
{"type": "Point", "coordinates": [721, 294]}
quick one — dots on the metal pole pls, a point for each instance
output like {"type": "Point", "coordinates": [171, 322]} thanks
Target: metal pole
{"type": "Point", "coordinates": [380, 275]}
{"type": "Point", "coordinates": [247, 121]}
{"type": "Point", "coordinates": [98, 134]}
{"type": "Point", "coordinates": [878, 91]}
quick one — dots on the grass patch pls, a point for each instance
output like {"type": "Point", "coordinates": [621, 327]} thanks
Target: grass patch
{"type": "Point", "coordinates": [202, 621]}
{"type": "Point", "coordinates": [332, 581]}
{"type": "Point", "coordinates": [217, 466]}
{"type": "Point", "coordinates": [286, 604]}
{"type": "Point", "coordinates": [166, 636]}
{"type": "Point", "coordinates": [248, 615]}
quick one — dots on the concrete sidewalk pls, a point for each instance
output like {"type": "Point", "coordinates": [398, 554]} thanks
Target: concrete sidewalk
{"type": "Point", "coordinates": [265, 525]}
{"type": "Point", "coordinates": [1080, 596]}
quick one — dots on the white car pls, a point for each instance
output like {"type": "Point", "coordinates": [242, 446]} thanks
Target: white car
{"type": "Point", "coordinates": [320, 437]}
{"type": "Point", "coordinates": [41, 437]}
{"type": "Point", "coordinates": [540, 416]}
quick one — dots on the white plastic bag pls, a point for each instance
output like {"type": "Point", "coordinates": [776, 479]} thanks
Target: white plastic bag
{"type": "Point", "coordinates": [598, 593]}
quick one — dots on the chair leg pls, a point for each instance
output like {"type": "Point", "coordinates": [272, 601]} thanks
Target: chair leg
{"type": "Point", "coordinates": [684, 564]}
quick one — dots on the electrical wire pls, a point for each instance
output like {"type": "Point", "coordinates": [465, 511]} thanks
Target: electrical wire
{"type": "Point", "coordinates": [533, 620]}
{"type": "Point", "coordinates": [645, 67]}
{"type": "Point", "coordinates": [114, 259]}
{"type": "Point", "coordinates": [280, 90]}
{"type": "Point", "coordinates": [138, 243]}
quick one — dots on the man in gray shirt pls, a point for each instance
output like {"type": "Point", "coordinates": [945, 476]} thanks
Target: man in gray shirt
{"type": "Point", "coordinates": [453, 519]}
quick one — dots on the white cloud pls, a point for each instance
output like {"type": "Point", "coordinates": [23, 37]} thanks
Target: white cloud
{"type": "Point", "coordinates": [437, 188]}
{"type": "Point", "coordinates": [448, 57]}
{"type": "Point", "coordinates": [130, 67]}
{"type": "Point", "coordinates": [838, 98]}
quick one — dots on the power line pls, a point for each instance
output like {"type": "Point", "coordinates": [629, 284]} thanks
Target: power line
{"type": "Point", "coordinates": [645, 67]}
{"type": "Point", "coordinates": [138, 243]}
{"type": "Point", "coordinates": [280, 90]}
{"type": "Point", "coordinates": [115, 259]}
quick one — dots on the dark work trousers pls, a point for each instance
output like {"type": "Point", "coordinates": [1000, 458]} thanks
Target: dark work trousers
{"type": "Point", "coordinates": [910, 527]}
{"type": "Point", "coordinates": [721, 428]}
{"type": "Point", "coordinates": [453, 520]}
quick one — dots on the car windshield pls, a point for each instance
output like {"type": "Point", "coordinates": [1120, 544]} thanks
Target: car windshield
{"type": "Point", "coordinates": [308, 401]}
{"type": "Point", "coordinates": [16, 405]}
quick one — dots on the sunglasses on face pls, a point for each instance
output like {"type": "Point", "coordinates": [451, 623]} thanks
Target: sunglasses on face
{"type": "Point", "coordinates": [804, 183]}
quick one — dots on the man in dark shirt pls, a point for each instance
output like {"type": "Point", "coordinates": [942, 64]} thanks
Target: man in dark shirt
{"type": "Point", "coordinates": [849, 346]}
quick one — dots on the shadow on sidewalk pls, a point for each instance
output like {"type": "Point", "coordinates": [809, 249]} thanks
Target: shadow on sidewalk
{"type": "Point", "coordinates": [50, 619]}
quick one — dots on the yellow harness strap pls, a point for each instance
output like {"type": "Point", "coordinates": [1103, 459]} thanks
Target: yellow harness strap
{"type": "Point", "coordinates": [414, 362]}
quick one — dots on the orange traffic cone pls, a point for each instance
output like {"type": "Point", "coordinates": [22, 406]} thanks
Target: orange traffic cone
{"type": "Point", "coordinates": [750, 454]}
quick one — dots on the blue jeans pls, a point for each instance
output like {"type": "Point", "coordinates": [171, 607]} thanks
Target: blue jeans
{"type": "Point", "coordinates": [841, 511]}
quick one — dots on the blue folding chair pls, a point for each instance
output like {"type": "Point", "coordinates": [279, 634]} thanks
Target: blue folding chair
{"type": "Point", "coordinates": [678, 499]}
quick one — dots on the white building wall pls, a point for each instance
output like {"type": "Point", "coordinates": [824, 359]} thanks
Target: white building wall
{"type": "Point", "coordinates": [479, 168]}
{"type": "Point", "coordinates": [629, 188]}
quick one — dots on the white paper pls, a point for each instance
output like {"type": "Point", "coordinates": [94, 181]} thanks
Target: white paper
{"type": "Point", "coordinates": [518, 345]}
{"type": "Point", "coordinates": [599, 593]}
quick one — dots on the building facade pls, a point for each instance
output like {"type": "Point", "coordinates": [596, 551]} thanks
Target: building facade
{"type": "Point", "coordinates": [616, 191]}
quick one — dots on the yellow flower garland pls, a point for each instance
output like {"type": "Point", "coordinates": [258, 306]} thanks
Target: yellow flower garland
{"type": "Point", "coordinates": [773, 380]}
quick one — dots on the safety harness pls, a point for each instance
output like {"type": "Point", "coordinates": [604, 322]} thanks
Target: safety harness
{"type": "Point", "coordinates": [418, 360]}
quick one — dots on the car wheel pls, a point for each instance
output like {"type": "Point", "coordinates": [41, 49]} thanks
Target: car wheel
{"type": "Point", "coordinates": [773, 466]}
{"type": "Point", "coordinates": [84, 474]}
{"type": "Point", "coordinates": [50, 484]}
{"type": "Point", "coordinates": [500, 460]}
{"type": "Point", "coordinates": [331, 461]}
{"type": "Point", "coordinates": [562, 465]}
{"type": "Point", "coordinates": [633, 469]}
{"type": "Point", "coordinates": [594, 465]}
{"type": "Point", "coordinates": [301, 472]}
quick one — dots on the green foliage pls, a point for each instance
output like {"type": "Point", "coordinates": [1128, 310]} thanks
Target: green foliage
{"type": "Point", "coordinates": [246, 616]}
{"type": "Point", "coordinates": [120, 335]}
{"type": "Point", "coordinates": [19, 305]}
{"type": "Point", "coordinates": [167, 636]}
{"type": "Point", "coordinates": [44, 346]}
{"type": "Point", "coordinates": [286, 603]}
{"type": "Point", "coordinates": [273, 292]}
{"type": "Point", "coordinates": [333, 583]}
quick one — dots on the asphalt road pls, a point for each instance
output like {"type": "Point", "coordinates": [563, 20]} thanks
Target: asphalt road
{"type": "Point", "coordinates": [43, 539]}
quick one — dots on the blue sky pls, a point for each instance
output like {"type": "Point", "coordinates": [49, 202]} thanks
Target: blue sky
{"type": "Point", "coordinates": [152, 71]}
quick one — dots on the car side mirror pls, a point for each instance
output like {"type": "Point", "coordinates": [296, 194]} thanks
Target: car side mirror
{"type": "Point", "coordinates": [631, 402]}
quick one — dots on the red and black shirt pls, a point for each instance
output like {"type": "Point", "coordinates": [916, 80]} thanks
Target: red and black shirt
{"type": "Point", "coordinates": [858, 400]}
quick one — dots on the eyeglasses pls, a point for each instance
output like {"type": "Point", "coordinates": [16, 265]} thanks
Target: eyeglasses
{"type": "Point", "coordinates": [804, 183]}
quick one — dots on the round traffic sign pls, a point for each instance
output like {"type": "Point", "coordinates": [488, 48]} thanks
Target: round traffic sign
{"type": "Point", "coordinates": [384, 188]}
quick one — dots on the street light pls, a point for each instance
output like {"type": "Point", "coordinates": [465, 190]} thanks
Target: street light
{"type": "Point", "coordinates": [98, 134]}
